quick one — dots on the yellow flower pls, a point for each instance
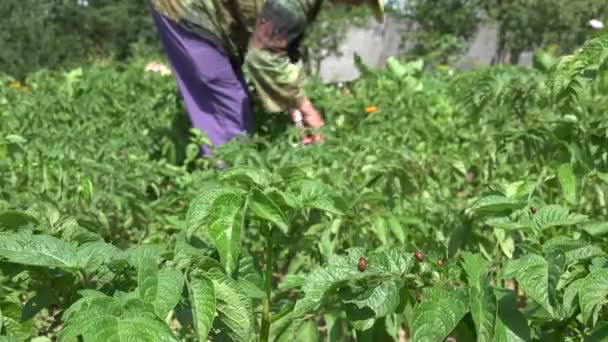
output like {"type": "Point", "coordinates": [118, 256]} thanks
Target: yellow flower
{"type": "Point", "coordinates": [15, 85]}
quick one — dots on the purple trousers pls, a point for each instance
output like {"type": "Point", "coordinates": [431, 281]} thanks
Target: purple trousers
{"type": "Point", "coordinates": [213, 89]}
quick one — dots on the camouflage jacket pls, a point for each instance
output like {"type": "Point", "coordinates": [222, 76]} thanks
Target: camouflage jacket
{"type": "Point", "coordinates": [261, 35]}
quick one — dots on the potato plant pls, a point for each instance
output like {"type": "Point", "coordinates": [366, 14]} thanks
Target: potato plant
{"type": "Point", "coordinates": [443, 205]}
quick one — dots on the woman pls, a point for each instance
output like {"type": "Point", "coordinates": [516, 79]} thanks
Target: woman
{"type": "Point", "coordinates": [208, 42]}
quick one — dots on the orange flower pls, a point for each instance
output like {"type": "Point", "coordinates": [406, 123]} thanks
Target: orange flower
{"type": "Point", "coordinates": [371, 109]}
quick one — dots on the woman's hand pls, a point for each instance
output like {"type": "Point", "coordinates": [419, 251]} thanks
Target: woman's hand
{"type": "Point", "coordinates": [306, 117]}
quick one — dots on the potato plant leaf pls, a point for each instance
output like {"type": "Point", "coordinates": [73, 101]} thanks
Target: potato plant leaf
{"type": "Point", "coordinates": [92, 255]}
{"type": "Point", "coordinates": [11, 220]}
{"type": "Point", "coordinates": [571, 297]}
{"type": "Point", "coordinates": [202, 299]}
{"type": "Point", "coordinates": [234, 308]}
{"type": "Point", "coordinates": [314, 194]}
{"type": "Point", "coordinates": [599, 334]}
{"type": "Point", "coordinates": [538, 277]}
{"type": "Point", "coordinates": [511, 325]}
{"type": "Point", "coordinates": [38, 250]}
{"type": "Point", "coordinates": [266, 209]}
{"type": "Point", "coordinates": [568, 182]}
{"type": "Point", "coordinates": [204, 205]}
{"type": "Point", "coordinates": [482, 301]}
{"type": "Point", "coordinates": [226, 227]}
{"type": "Point", "coordinates": [376, 288]}
{"type": "Point", "coordinates": [250, 278]}
{"type": "Point", "coordinates": [113, 319]}
{"type": "Point", "coordinates": [439, 313]}
{"type": "Point", "coordinates": [593, 295]}
{"type": "Point", "coordinates": [575, 250]}
{"type": "Point", "coordinates": [554, 216]}
{"type": "Point", "coordinates": [496, 204]}
{"type": "Point", "coordinates": [247, 175]}
{"type": "Point", "coordinates": [596, 229]}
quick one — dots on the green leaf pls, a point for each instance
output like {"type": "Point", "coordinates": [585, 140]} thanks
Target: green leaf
{"type": "Point", "coordinates": [226, 227]}
{"type": "Point", "coordinates": [483, 310]}
{"type": "Point", "coordinates": [9, 339]}
{"type": "Point", "coordinates": [382, 299]}
{"type": "Point", "coordinates": [458, 239]}
{"type": "Point", "coordinates": [511, 325]}
{"type": "Point", "coordinates": [335, 328]}
{"type": "Point", "coordinates": [495, 204]}
{"type": "Point", "coordinates": [161, 288]}
{"type": "Point", "coordinates": [170, 286]}
{"type": "Point", "coordinates": [554, 216]}
{"type": "Point", "coordinates": [85, 303]}
{"type": "Point", "coordinates": [593, 295]}
{"type": "Point", "coordinates": [13, 220]}
{"type": "Point", "coordinates": [556, 264]}
{"type": "Point", "coordinates": [12, 324]}
{"type": "Point", "coordinates": [282, 329]}
{"type": "Point", "coordinates": [575, 250]}
{"type": "Point", "coordinates": [75, 233]}
{"type": "Point", "coordinates": [482, 301]}
{"type": "Point", "coordinates": [287, 330]}
{"type": "Point", "coordinates": [38, 250]}
{"type": "Point", "coordinates": [396, 67]}
{"type": "Point", "coordinates": [439, 313]}
{"type": "Point", "coordinates": [250, 278]}
{"type": "Point", "coordinates": [147, 279]}
{"type": "Point", "coordinates": [234, 308]}
{"type": "Point", "coordinates": [292, 281]}
{"type": "Point", "coordinates": [381, 230]}
{"type": "Point", "coordinates": [538, 277]}
{"type": "Point", "coordinates": [308, 331]}
{"type": "Point", "coordinates": [187, 256]}
{"type": "Point", "coordinates": [18, 330]}
{"type": "Point", "coordinates": [596, 229]}
{"type": "Point", "coordinates": [284, 199]}
{"type": "Point", "coordinates": [571, 295]}
{"type": "Point", "coordinates": [292, 174]}
{"type": "Point", "coordinates": [505, 223]}
{"type": "Point", "coordinates": [599, 334]}
{"type": "Point", "coordinates": [506, 242]}
{"type": "Point", "coordinates": [42, 300]}
{"type": "Point", "coordinates": [314, 194]}
{"type": "Point", "coordinates": [568, 182]}
{"type": "Point", "coordinates": [266, 209]}
{"type": "Point", "coordinates": [475, 266]}
{"type": "Point", "coordinates": [140, 254]}
{"type": "Point", "coordinates": [93, 255]}
{"type": "Point", "coordinates": [377, 286]}
{"type": "Point", "coordinates": [396, 228]}
{"type": "Point", "coordinates": [111, 319]}
{"type": "Point", "coordinates": [202, 299]}
{"type": "Point", "coordinates": [203, 205]}
{"type": "Point", "coordinates": [247, 175]}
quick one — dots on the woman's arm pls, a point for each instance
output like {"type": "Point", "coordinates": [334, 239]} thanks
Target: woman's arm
{"type": "Point", "coordinates": [279, 82]}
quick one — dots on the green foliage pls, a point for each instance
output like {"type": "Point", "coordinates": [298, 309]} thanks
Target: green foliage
{"type": "Point", "coordinates": [56, 34]}
{"type": "Point", "coordinates": [439, 312]}
{"type": "Point", "coordinates": [461, 207]}
{"type": "Point", "coordinates": [203, 299]}
{"type": "Point", "coordinates": [532, 24]}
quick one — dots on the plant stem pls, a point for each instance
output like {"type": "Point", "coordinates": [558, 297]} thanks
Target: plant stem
{"type": "Point", "coordinates": [266, 319]}
{"type": "Point", "coordinates": [281, 314]}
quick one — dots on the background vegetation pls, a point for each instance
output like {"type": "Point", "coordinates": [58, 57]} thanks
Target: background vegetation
{"type": "Point", "coordinates": [443, 203]}
{"type": "Point", "coordinates": [53, 34]}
